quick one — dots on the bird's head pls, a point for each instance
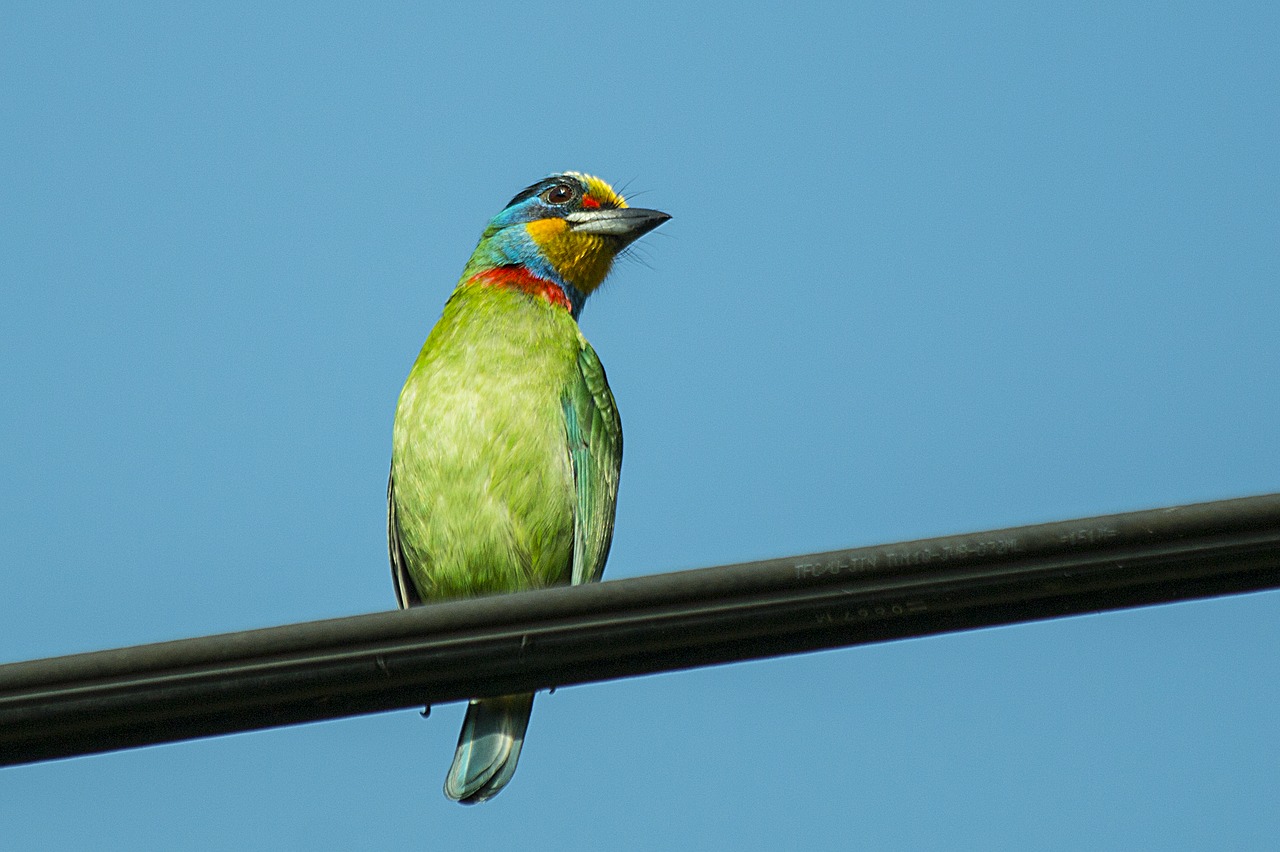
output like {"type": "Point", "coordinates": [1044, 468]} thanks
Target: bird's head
{"type": "Point", "coordinates": [565, 229]}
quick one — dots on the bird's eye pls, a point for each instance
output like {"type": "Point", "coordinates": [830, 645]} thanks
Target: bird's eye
{"type": "Point", "coordinates": [558, 194]}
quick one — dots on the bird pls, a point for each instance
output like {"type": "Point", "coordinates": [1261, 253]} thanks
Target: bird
{"type": "Point", "coordinates": [507, 443]}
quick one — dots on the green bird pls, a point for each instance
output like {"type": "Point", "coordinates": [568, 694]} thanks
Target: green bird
{"type": "Point", "coordinates": [507, 444]}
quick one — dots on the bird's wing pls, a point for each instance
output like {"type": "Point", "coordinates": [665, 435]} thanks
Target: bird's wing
{"type": "Point", "coordinates": [595, 446]}
{"type": "Point", "coordinates": [406, 592]}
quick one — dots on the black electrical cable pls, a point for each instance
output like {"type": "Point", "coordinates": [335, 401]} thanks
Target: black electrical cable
{"type": "Point", "coordinates": [87, 703]}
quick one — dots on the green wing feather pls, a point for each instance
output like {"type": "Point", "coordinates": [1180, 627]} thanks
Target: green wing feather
{"type": "Point", "coordinates": [406, 593]}
{"type": "Point", "coordinates": [594, 431]}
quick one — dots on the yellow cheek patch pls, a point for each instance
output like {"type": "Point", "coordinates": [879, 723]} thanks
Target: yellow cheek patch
{"type": "Point", "coordinates": [583, 260]}
{"type": "Point", "coordinates": [544, 231]}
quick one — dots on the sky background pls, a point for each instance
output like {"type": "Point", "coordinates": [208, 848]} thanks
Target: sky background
{"type": "Point", "coordinates": [930, 271]}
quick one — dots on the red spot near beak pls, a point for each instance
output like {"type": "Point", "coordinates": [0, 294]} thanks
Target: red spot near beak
{"type": "Point", "coordinates": [588, 201]}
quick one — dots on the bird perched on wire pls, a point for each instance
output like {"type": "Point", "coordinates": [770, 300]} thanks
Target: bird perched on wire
{"type": "Point", "coordinates": [507, 445]}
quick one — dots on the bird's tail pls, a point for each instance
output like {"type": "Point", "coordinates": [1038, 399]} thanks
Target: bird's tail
{"type": "Point", "coordinates": [488, 748]}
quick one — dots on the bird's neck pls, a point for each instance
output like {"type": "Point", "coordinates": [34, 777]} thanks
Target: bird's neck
{"type": "Point", "coordinates": [521, 278]}
{"type": "Point", "coordinates": [508, 257]}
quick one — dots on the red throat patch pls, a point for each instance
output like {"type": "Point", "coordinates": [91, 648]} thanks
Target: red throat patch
{"type": "Point", "coordinates": [519, 278]}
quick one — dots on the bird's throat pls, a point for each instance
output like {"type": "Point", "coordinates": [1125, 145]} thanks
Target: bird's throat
{"type": "Point", "coordinates": [520, 278]}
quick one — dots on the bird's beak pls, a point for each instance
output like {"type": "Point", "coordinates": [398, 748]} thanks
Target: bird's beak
{"type": "Point", "coordinates": [626, 223]}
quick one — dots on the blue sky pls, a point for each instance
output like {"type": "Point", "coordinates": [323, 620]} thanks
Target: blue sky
{"type": "Point", "coordinates": [931, 271]}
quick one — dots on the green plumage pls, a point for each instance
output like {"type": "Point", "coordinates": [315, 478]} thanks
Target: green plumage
{"type": "Point", "coordinates": [506, 451]}
{"type": "Point", "coordinates": [507, 445]}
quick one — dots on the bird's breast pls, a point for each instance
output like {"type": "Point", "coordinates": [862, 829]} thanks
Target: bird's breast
{"type": "Point", "coordinates": [484, 483]}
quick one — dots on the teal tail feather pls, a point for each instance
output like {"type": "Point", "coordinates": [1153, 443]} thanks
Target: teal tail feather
{"type": "Point", "coordinates": [488, 748]}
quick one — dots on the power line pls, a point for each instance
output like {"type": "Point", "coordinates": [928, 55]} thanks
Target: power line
{"type": "Point", "coordinates": [87, 703]}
